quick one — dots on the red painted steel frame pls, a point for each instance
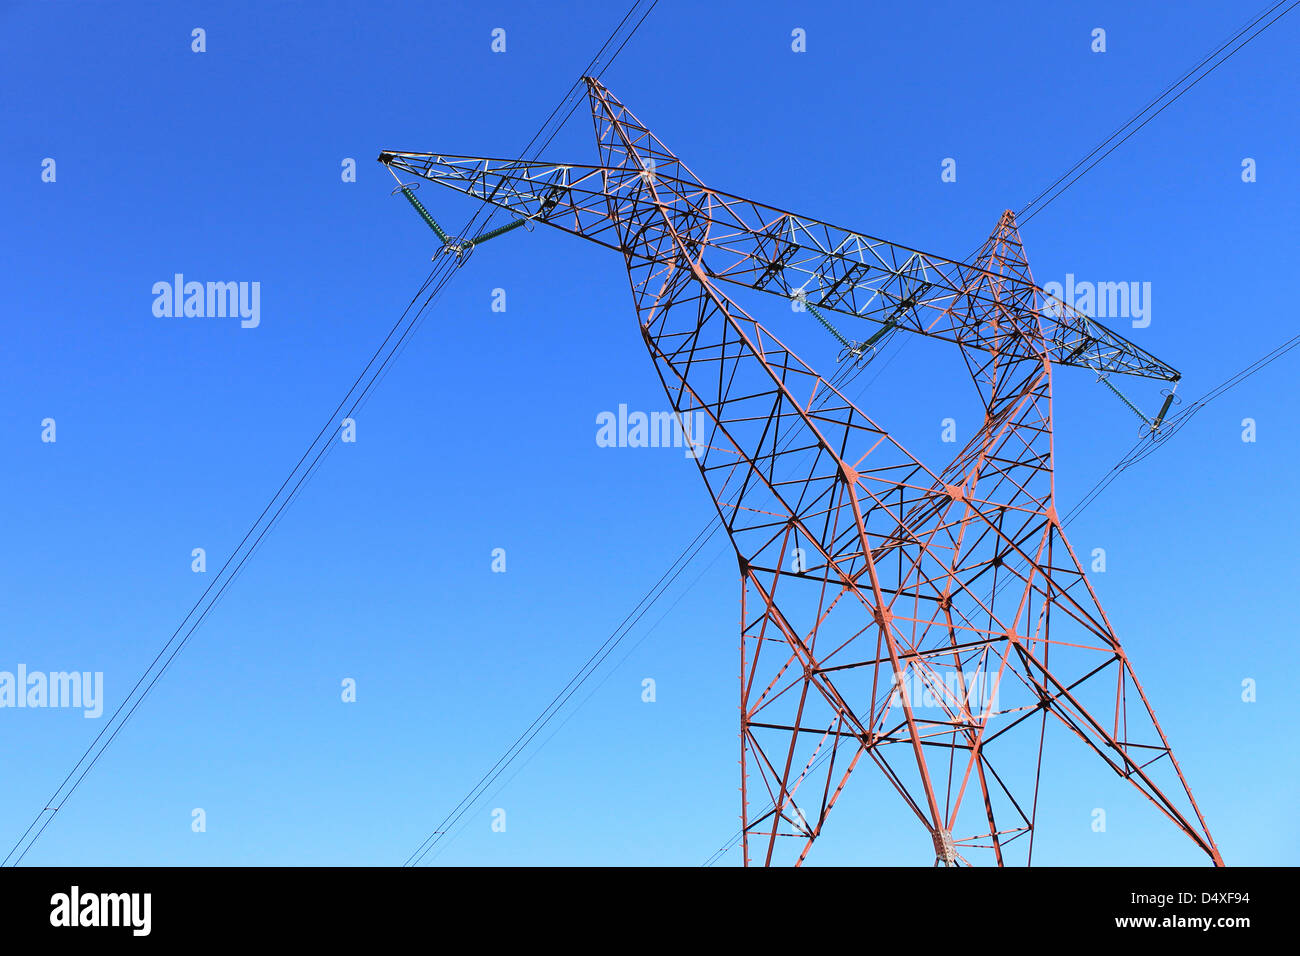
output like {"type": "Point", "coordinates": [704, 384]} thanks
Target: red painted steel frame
{"type": "Point", "coordinates": [923, 621]}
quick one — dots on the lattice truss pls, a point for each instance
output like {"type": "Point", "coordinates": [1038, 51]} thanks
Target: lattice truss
{"type": "Point", "coordinates": [929, 624]}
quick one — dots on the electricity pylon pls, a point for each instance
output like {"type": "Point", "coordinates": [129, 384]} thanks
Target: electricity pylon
{"type": "Point", "coordinates": [930, 623]}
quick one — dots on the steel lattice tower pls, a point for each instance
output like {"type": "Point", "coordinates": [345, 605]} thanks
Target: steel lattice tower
{"type": "Point", "coordinates": [929, 623]}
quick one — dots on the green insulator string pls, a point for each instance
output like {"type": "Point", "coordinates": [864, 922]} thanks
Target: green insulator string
{"type": "Point", "coordinates": [463, 247]}
{"type": "Point", "coordinates": [881, 332]}
{"type": "Point", "coordinates": [827, 325]}
{"type": "Point", "coordinates": [855, 349]}
{"type": "Point", "coordinates": [1105, 380]}
{"type": "Point", "coordinates": [424, 214]}
{"type": "Point", "coordinates": [890, 323]}
{"type": "Point", "coordinates": [499, 231]}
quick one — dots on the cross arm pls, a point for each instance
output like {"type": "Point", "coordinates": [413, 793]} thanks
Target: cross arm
{"type": "Point", "coordinates": [783, 253]}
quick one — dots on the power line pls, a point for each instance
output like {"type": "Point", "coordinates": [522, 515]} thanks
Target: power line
{"type": "Point", "coordinates": [557, 703]}
{"type": "Point", "coordinates": [1045, 203]}
{"type": "Point", "coordinates": [438, 277]}
{"type": "Point", "coordinates": [1154, 100]}
{"type": "Point", "coordinates": [59, 797]}
{"type": "Point", "coordinates": [1145, 445]}
{"type": "Point", "coordinates": [847, 374]}
{"type": "Point", "coordinates": [1027, 212]}
{"type": "Point", "coordinates": [592, 693]}
{"type": "Point", "coordinates": [611, 642]}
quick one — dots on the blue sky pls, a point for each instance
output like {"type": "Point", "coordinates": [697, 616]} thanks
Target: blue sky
{"type": "Point", "coordinates": [173, 432]}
